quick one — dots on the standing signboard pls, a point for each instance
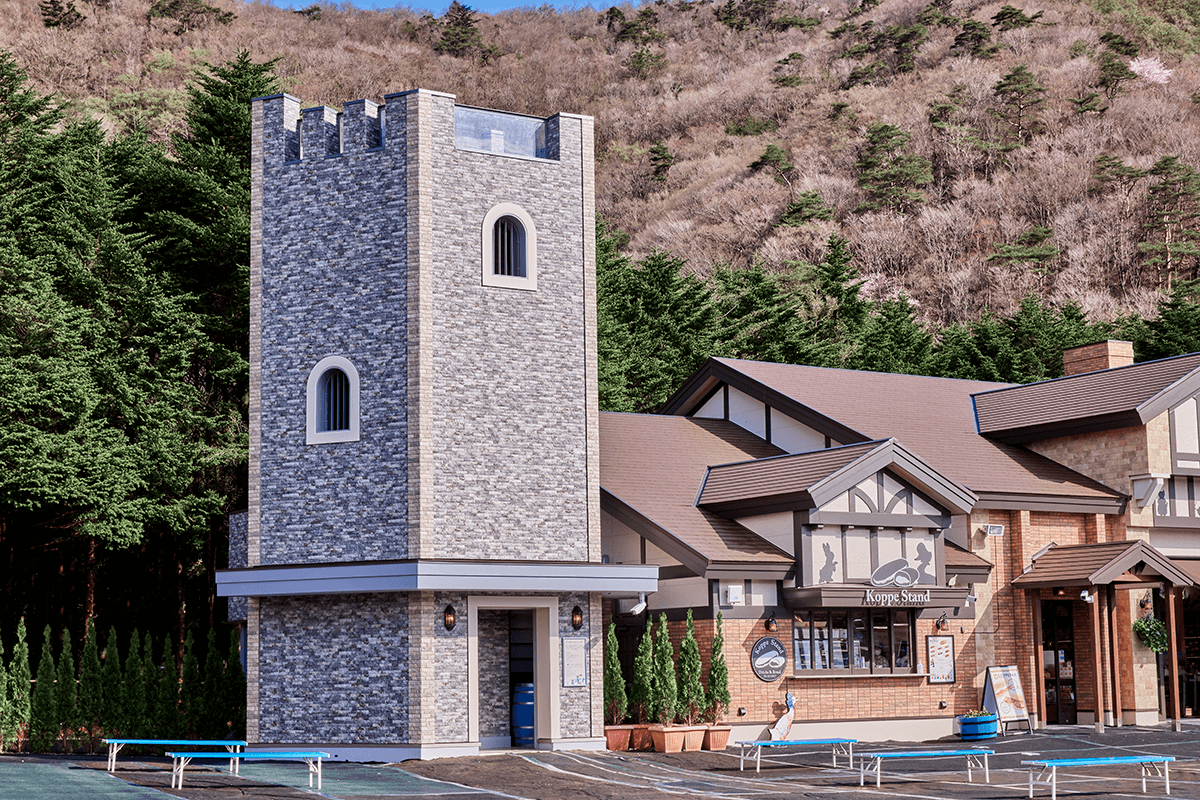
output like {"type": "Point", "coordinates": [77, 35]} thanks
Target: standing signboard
{"type": "Point", "coordinates": [1004, 696]}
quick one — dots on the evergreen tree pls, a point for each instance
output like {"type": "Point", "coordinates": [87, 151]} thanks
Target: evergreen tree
{"type": "Point", "coordinates": [91, 687]}
{"type": "Point", "coordinates": [1173, 210]}
{"type": "Point", "coordinates": [891, 176]}
{"type": "Point", "coordinates": [614, 682]}
{"type": "Point", "coordinates": [133, 710]}
{"type": "Point", "coordinates": [718, 675]}
{"type": "Point", "coordinates": [691, 690]}
{"type": "Point", "coordinates": [112, 693]}
{"type": "Point", "coordinates": [191, 697]}
{"type": "Point", "coordinates": [644, 694]}
{"type": "Point", "coordinates": [837, 316]}
{"type": "Point", "coordinates": [808, 206]}
{"type": "Point", "coordinates": [57, 15]}
{"type": "Point", "coordinates": [1020, 97]}
{"type": "Point", "coordinates": [660, 161]}
{"type": "Point", "coordinates": [151, 681]}
{"type": "Point", "coordinates": [1175, 328]}
{"type": "Point", "coordinates": [1009, 18]}
{"type": "Point", "coordinates": [460, 34]}
{"type": "Point", "coordinates": [756, 310]}
{"type": "Point", "coordinates": [665, 682]}
{"type": "Point", "coordinates": [1031, 247]}
{"type": "Point", "coordinates": [1114, 73]}
{"type": "Point", "coordinates": [235, 688]}
{"type": "Point", "coordinates": [66, 694]}
{"type": "Point", "coordinates": [43, 722]}
{"type": "Point", "coordinates": [975, 38]}
{"type": "Point", "coordinates": [20, 686]}
{"type": "Point", "coordinates": [892, 340]}
{"type": "Point", "coordinates": [213, 714]}
{"type": "Point", "coordinates": [774, 161]}
{"type": "Point", "coordinates": [6, 709]}
{"type": "Point", "coordinates": [167, 720]}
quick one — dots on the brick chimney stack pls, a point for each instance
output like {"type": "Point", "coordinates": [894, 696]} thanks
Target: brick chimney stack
{"type": "Point", "coordinates": [1092, 357]}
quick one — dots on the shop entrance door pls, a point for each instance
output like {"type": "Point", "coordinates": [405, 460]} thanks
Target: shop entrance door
{"type": "Point", "coordinates": [1058, 661]}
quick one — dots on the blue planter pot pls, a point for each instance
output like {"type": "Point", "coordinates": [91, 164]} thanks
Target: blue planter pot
{"type": "Point", "coordinates": [976, 728]}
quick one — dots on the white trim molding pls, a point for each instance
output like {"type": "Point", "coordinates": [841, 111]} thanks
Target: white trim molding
{"type": "Point", "coordinates": [529, 282]}
{"type": "Point", "coordinates": [314, 436]}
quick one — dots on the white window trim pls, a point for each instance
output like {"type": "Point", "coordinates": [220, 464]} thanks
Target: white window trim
{"type": "Point", "coordinates": [529, 282]}
{"type": "Point", "coordinates": [313, 436]}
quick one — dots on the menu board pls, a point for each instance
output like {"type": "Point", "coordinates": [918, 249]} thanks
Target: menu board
{"type": "Point", "coordinates": [1004, 695]}
{"type": "Point", "coordinates": [941, 658]}
{"type": "Point", "coordinates": [574, 661]}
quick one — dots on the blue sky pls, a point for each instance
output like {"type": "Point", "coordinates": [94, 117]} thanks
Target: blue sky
{"type": "Point", "coordinates": [438, 7]}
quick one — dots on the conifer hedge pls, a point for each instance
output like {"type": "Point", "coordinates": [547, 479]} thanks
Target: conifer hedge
{"type": "Point", "coordinates": [69, 709]}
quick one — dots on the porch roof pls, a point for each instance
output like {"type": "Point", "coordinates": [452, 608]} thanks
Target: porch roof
{"type": "Point", "coordinates": [1128, 563]}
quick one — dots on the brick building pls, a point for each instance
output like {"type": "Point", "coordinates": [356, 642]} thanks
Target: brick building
{"type": "Point", "coordinates": [852, 515]}
{"type": "Point", "coordinates": [423, 531]}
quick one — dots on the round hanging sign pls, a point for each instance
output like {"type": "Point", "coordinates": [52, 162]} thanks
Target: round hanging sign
{"type": "Point", "coordinates": [768, 658]}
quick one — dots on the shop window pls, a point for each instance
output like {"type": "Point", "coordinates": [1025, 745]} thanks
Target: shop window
{"type": "Point", "coordinates": [331, 413]}
{"type": "Point", "coordinates": [854, 641]}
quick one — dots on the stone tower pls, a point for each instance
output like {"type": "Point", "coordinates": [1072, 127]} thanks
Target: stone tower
{"type": "Point", "coordinates": [423, 530]}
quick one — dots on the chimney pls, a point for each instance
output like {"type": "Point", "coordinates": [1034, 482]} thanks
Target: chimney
{"type": "Point", "coordinates": [1092, 357]}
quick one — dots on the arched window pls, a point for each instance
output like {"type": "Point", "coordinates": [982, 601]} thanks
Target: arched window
{"type": "Point", "coordinates": [333, 401]}
{"type": "Point", "coordinates": [332, 407]}
{"type": "Point", "coordinates": [509, 245]}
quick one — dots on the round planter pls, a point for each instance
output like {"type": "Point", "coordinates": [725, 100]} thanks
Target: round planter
{"type": "Point", "coordinates": [972, 729]}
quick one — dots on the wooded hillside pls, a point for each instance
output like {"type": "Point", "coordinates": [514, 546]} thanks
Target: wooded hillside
{"type": "Point", "coordinates": [970, 152]}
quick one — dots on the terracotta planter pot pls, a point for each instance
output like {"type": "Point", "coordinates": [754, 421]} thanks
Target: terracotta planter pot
{"type": "Point", "coordinates": [617, 736]}
{"type": "Point", "coordinates": [693, 738]}
{"type": "Point", "coordinates": [668, 739]}
{"type": "Point", "coordinates": [640, 738]}
{"type": "Point", "coordinates": [716, 737]}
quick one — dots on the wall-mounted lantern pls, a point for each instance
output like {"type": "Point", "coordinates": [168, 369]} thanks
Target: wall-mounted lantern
{"type": "Point", "coordinates": [576, 617]}
{"type": "Point", "coordinates": [448, 617]}
{"type": "Point", "coordinates": [771, 625]}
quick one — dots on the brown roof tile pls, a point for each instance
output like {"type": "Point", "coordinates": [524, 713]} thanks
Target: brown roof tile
{"type": "Point", "coordinates": [655, 464]}
{"type": "Point", "coordinates": [1108, 398]}
{"type": "Point", "coordinates": [784, 475]}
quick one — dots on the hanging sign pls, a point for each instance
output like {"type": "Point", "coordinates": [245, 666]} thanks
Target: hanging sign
{"type": "Point", "coordinates": [768, 658]}
{"type": "Point", "coordinates": [1004, 696]}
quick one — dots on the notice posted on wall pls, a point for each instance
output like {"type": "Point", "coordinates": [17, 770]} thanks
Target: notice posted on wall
{"type": "Point", "coordinates": [1004, 696]}
{"type": "Point", "coordinates": [574, 661]}
{"type": "Point", "coordinates": [941, 658]}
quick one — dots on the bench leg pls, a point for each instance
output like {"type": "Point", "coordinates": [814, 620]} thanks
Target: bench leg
{"type": "Point", "coordinates": [758, 761]}
{"type": "Point", "coordinates": [1031, 782]}
{"type": "Point", "coordinates": [1054, 783]}
{"type": "Point", "coordinates": [1167, 775]}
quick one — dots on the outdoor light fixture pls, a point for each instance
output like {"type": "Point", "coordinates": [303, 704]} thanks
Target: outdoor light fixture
{"type": "Point", "coordinates": [576, 617]}
{"type": "Point", "coordinates": [449, 618]}
{"type": "Point", "coordinates": [942, 623]}
{"type": "Point", "coordinates": [1059, 592]}
{"type": "Point", "coordinates": [771, 625]}
{"type": "Point", "coordinates": [1087, 596]}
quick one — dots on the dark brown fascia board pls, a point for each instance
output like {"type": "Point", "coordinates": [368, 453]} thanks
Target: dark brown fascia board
{"type": "Point", "coordinates": [657, 535]}
{"type": "Point", "coordinates": [871, 520]}
{"type": "Point", "coordinates": [684, 401]}
{"type": "Point", "coordinates": [893, 455]}
{"type": "Point", "coordinates": [977, 574]}
{"type": "Point", "coordinates": [671, 573]}
{"type": "Point", "coordinates": [765, 570]}
{"type": "Point", "coordinates": [1171, 396]}
{"type": "Point", "coordinates": [765, 504]}
{"type": "Point", "coordinates": [1005, 501]}
{"type": "Point", "coordinates": [1069, 427]}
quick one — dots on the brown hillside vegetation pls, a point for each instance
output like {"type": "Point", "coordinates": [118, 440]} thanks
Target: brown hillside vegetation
{"type": "Point", "coordinates": [965, 203]}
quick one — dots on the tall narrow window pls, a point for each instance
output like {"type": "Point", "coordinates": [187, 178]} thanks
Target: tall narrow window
{"type": "Point", "coordinates": [508, 248]}
{"type": "Point", "coordinates": [332, 404]}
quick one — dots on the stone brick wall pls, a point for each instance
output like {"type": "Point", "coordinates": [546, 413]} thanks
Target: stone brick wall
{"type": "Point", "coordinates": [509, 366]}
{"type": "Point", "coordinates": [332, 669]}
{"type": "Point", "coordinates": [238, 554]}
{"type": "Point", "coordinates": [495, 696]}
{"type": "Point", "coordinates": [450, 670]}
{"type": "Point", "coordinates": [575, 702]}
{"type": "Point", "coordinates": [333, 282]}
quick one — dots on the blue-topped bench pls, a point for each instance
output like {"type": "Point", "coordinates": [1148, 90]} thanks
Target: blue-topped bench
{"type": "Point", "coordinates": [115, 745]}
{"type": "Point", "coordinates": [873, 761]}
{"type": "Point", "coordinates": [840, 747]}
{"type": "Point", "coordinates": [1152, 766]}
{"type": "Point", "coordinates": [310, 757]}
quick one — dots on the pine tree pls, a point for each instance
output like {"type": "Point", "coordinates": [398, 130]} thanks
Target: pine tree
{"type": "Point", "coordinates": [66, 694]}
{"type": "Point", "coordinates": [891, 177]}
{"type": "Point", "coordinates": [151, 682]}
{"type": "Point", "coordinates": [460, 36]}
{"type": "Point", "coordinates": [43, 723]}
{"type": "Point", "coordinates": [112, 721]}
{"type": "Point", "coordinates": [1021, 98]}
{"type": "Point", "coordinates": [57, 15]}
{"type": "Point", "coordinates": [665, 681]}
{"type": "Point", "coordinates": [1114, 74]}
{"type": "Point", "coordinates": [718, 675]}
{"type": "Point", "coordinates": [614, 682]}
{"type": "Point", "coordinates": [1009, 18]}
{"type": "Point", "coordinates": [1031, 247]}
{"type": "Point", "coordinates": [235, 687]}
{"type": "Point", "coordinates": [807, 207]}
{"type": "Point", "coordinates": [91, 687]}
{"type": "Point", "coordinates": [6, 709]}
{"type": "Point", "coordinates": [213, 714]}
{"type": "Point", "coordinates": [20, 686]}
{"type": "Point", "coordinates": [644, 695]}
{"type": "Point", "coordinates": [774, 161]}
{"type": "Point", "coordinates": [691, 690]}
{"type": "Point", "coordinates": [1173, 209]}
{"type": "Point", "coordinates": [892, 340]}
{"type": "Point", "coordinates": [133, 710]}
{"type": "Point", "coordinates": [660, 161]}
{"type": "Point", "coordinates": [1175, 328]}
{"type": "Point", "coordinates": [191, 697]}
{"type": "Point", "coordinates": [167, 720]}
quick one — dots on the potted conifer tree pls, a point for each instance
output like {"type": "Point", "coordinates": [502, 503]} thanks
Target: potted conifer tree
{"type": "Point", "coordinates": [643, 703]}
{"type": "Point", "coordinates": [615, 733]}
{"type": "Point", "coordinates": [717, 735]}
{"type": "Point", "coordinates": [691, 703]}
{"type": "Point", "coordinates": [668, 737]}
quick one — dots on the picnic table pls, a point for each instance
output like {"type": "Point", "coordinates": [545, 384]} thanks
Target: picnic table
{"type": "Point", "coordinates": [840, 747]}
{"type": "Point", "coordinates": [1049, 769]}
{"type": "Point", "coordinates": [310, 757]}
{"type": "Point", "coordinates": [873, 761]}
{"type": "Point", "coordinates": [115, 745]}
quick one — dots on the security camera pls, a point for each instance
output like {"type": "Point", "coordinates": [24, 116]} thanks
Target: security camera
{"type": "Point", "coordinates": [972, 598]}
{"type": "Point", "coordinates": [1087, 596]}
{"type": "Point", "coordinates": [641, 605]}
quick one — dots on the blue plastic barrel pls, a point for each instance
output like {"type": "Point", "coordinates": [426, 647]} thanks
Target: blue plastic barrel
{"type": "Point", "coordinates": [522, 715]}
